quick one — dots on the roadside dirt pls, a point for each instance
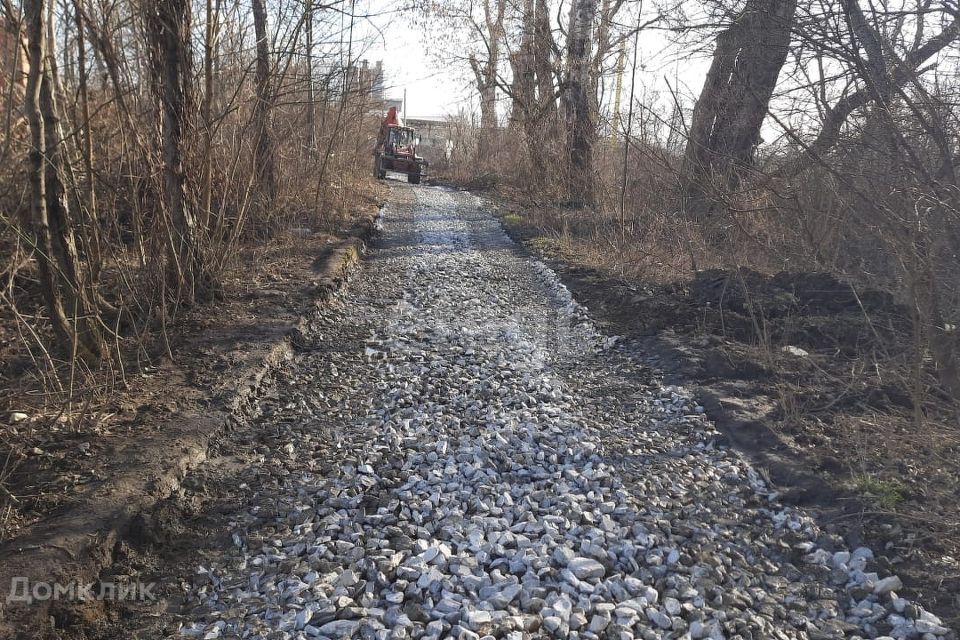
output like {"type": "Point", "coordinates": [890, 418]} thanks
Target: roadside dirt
{"type": "Point", "coordinates": [230, 500]}
{"type": "Point", "coordinates": [811, 378]}
{"type": "Point", "coordinates": [183, 533]}
{"type": "Point", "coordinates": [80, 485]}
{"type": "Point", "coordinates": [832, 429]}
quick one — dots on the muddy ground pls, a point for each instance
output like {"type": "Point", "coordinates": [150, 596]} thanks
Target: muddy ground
{"type": "Point", "coordinates": [829, 421]}
{"type": "Point", "coordinates": [79, 480]}
{"type": "Point", "coordinates": [812, 378]}
{"type": "Point", "coordinates": [738, 381]}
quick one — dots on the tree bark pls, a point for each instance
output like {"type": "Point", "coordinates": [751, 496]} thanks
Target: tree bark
{"type": "Point", "coordinates": [485, 74]}
{"type": "Point", "coordinates": [725, 127]}
{"type": "Point", "coordinates": [523, 93]}
{"type": "Point", "coordinates": [533, 93]}
{"type": "Point", "coordinates": [579, 104]}
{"type": "Point", "coordinates": [66, 293]}
{"type": "Point", "coordinates": [169, 27]}
{"type": "Point", "coordinates": [264, 151]}
{"type": "Point", "coordinates": [544, 51]}
{"type": "Point", "coordinates": [523, 88]}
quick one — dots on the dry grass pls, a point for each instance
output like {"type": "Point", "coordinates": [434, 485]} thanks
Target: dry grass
{"type": "Point", "coordinates": [865, 409]}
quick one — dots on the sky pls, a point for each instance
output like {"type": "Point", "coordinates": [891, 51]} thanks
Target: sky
{"type": "Point", "coordinates": [437, 88]}
{"type": "Point", "coordinates": [432, 89]}
{"type": "Point", "coordinates": [430, 65]}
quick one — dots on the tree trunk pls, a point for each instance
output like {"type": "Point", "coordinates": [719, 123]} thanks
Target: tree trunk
{"type": "Point", "coordinates": [606, 19]}
{"type": "Point", "coordinates": [543, 53]}
{"type": "Point", "coordinates": [579, 103]}
{"type": "Point", "coordinates": [523, 88]}
{"type": "Point", "coordinates": [942, 341]}
{"type": "Point", "coordinates": [169, 26]}
{"type": "Point", "coordinates": [206, 109]}
{"type": "Point", "coordinates": [93, 248]}
{"type": "Point", "coordinates": [485, 73]}
{"type": "Point", "coordinates": [523, 95]}
{"type": "Point", "coordinates": [725, 127]}
{"type": "Point", "coordinates": [311, 92]}
{"type": "Point", "coordinates": [264, 153]}
{"type": "Point", "coordinates": [66, 293]}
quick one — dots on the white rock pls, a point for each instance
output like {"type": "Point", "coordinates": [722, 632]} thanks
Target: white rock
{"type": "Point", "coordinates": [552, 624]}
{"type": "Point", "coordinates": [697, 630]}
{"type": "Point", "coordinates": [659, 618]}
{"type": "Point", "coordinates": [672, 606]}
{"type": "Point", "coordinates": [476, 619]}
{"type": "Point", "coordinates": [887, 585]}
{"type": "Point", "coordinates": [925, 626]}
{"type": "Point", "coordinates": [586, 568]}
{"type": "Point", "coordinates": [339, 628]}
{"type": "Point", "coordinates": [599, 622]}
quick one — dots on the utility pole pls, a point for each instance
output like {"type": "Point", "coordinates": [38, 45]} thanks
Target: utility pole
{"type": "Point", "coordinates": [618, 92]}
{"type": "Point", "coordinates": [626, 146]}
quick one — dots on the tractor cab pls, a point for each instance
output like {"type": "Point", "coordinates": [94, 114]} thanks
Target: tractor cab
{"type": "Point", "coordinates": [396, 150]}
{"type": "Point", "coordinates": [402, 140]}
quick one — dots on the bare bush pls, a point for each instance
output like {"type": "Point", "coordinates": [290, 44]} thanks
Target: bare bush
{"type": "Point", "coordinates": [151, 171]}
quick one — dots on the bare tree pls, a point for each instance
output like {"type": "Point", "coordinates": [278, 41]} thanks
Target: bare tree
{"type": "Point", "coordinates": [212, 17]}
{"type": "Point", "coordinates": [74, 317]}
{"type": "Point", "coordinates": [579, 101]}
{"type": "Point", "coordinates": [725, 127]}
{"type": "Point", "coordinates": [904, 71]}
{"type": "Point", "coordinates": [311, 89]}
{"type": "Point", "coordinates": [264, 152]}
{"type": "Point", "coordinates": [168, 23]}
{"type": "Point", "coordinates": [485, 70]}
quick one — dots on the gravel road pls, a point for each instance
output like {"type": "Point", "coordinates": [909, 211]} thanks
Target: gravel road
{"type": "Point", "coordinates": [459, 452]}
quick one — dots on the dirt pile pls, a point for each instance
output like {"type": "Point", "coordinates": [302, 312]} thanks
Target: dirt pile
{"type": "Point", "coordinates": [814, 379]}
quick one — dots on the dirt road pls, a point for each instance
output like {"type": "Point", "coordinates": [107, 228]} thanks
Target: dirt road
{"type": "Point", "coordinates": [457, 451]}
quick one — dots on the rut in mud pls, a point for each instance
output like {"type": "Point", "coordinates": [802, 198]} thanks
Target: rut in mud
{"type": "Point", "coordinates": [458, 452]}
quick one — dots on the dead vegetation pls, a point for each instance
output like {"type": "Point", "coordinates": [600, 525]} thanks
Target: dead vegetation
{"type": "Point", "coordinates": [802, 365]}
{"type": "Point", "coordinates": [153, 166]}
{"type": "Point", "coordinates": [817, 269]}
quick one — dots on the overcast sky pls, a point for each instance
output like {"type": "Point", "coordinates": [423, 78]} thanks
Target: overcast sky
{"type": "Point", "coordinates": [412, 64]}
{"type": "Point", "coordinates": [414, 61]}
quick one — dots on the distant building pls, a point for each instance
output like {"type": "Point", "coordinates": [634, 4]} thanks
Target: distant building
{"type": "Point", "coordinates": [370, 79]}
{"type": "Point", "coordinates": [436, 136]}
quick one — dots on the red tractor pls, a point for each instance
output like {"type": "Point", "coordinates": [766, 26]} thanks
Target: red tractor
{"type": "Point", "coordinates": [397, 150]}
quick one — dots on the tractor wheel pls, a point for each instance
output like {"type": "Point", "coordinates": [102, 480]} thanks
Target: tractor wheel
{"type": "Point", "coordinates": [413, 178]}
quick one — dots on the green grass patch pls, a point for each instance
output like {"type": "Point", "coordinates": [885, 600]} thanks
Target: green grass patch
{"type": "Point", "coordinates": [885, 493]}
{"type": "Point", "coordinates": [512, 218]}
{"type": "Point", "coordinates": [545, 245]}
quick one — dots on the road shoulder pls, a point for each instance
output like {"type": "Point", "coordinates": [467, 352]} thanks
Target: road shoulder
{"type": "Point", "coordinates": [840, 462]}
{"type": "Point", "coordinates": [160, 429]}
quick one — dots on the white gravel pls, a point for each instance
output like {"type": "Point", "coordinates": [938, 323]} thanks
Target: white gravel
{"type": "Point", "coordinates": [487, 464]}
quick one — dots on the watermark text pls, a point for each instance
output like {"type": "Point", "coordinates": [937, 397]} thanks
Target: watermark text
{"type": "Point", "coordinates": [22, 591]}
